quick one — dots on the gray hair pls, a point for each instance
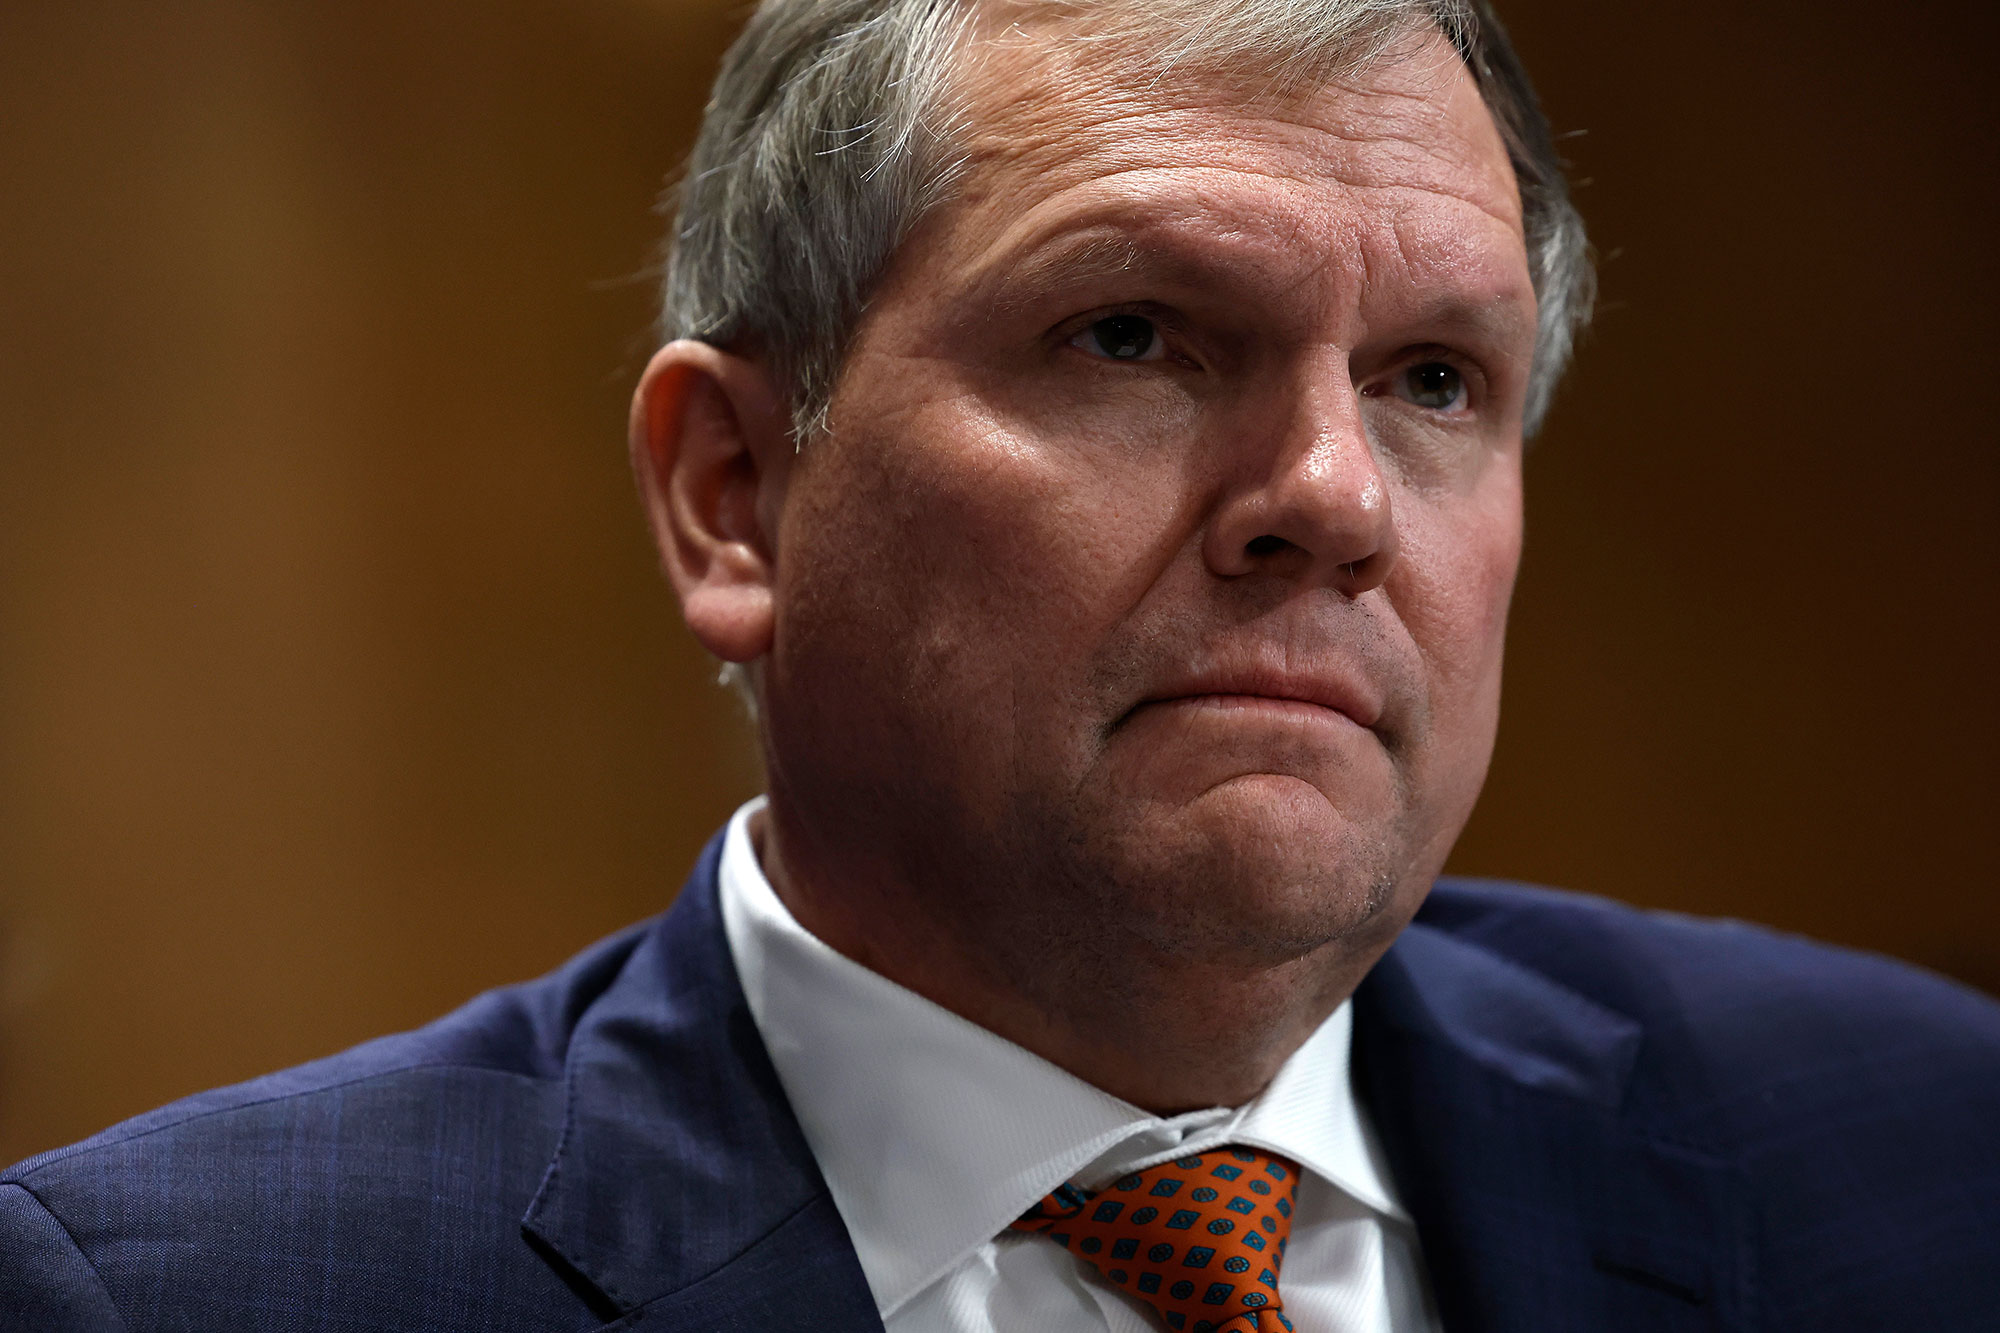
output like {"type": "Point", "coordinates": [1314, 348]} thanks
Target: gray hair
{"type": "Point", "coordinates": [830, 134]}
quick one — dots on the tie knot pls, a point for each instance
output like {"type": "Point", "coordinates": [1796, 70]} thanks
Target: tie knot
{"type": "Point", "coordinates": [1200, 1239]}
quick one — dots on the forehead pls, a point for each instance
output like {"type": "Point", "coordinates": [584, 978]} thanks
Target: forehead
{"type": "Point", "coordinates": [1062, 131]}
{"type": "Point", "coordinates": [1040, 91]}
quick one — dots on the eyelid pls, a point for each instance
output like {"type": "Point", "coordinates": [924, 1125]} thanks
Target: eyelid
{"type": "Point", "coordinates": [1170, 327]}
{"type": "Point", "coordinates": [1477, 388]}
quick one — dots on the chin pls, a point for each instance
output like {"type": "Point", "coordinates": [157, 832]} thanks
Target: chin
{"type": "Point", "coordinates": [1264, 867]}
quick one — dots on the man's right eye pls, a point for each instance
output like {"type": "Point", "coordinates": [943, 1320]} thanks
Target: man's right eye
{"type": "Point", "coordinates": [1122, 338]}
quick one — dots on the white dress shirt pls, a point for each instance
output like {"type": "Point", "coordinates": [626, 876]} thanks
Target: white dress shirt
{"type": "Point", "coordinates": [934, 1134]}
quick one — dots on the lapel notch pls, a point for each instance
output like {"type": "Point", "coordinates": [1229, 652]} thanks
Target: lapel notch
{"type": "Point", "coordinates": [682, 1188]}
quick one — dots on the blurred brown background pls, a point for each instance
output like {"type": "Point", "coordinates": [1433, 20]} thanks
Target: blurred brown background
{"type": "Point", "coordinates": [336, 682]}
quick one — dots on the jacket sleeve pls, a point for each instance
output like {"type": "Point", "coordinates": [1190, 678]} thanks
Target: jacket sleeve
{"type": "Point", "coordinates": [46, 1283]}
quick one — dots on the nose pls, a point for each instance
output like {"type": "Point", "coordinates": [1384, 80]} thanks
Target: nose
{"type": "Point", "coordinates": [1312, 504]}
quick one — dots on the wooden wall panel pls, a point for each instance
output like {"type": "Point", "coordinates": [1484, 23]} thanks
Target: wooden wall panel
{"type": "Point", "coordinates": [336, 682]}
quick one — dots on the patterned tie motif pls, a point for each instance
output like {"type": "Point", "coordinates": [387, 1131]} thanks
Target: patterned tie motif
{"type": "Point", "coordinates": [1199, 1239]}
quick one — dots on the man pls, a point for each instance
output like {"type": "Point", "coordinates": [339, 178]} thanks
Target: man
{"type": "Point", "coordinates": [1094, 433]}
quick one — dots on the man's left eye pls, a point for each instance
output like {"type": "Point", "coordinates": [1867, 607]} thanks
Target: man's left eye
{"type": "Point", "coordinates": [1123, 338]}
{"type": "Point", "coordinates": [1432, 384]}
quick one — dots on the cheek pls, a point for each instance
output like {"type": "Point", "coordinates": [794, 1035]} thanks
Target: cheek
{"type": "Point", "coordinates": [966, 567]}
{"type": "Point", "coordinates": [1452, 588]}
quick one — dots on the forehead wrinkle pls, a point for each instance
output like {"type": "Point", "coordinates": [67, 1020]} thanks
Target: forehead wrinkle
{"type": "Point", "coordinates": [1053, 154]}
{"type": "Point", "coordinates": [1190, 238]}
{"type": "Point", "coordinates": [1205, 236]}
{"type": "Point", "coordinates": [1126, 130]}
{"type": "Point", "coordinates": [1414, 116]}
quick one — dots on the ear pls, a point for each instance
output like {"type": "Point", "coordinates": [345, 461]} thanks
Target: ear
{"type": "Point", "coordinates": [711, 445]}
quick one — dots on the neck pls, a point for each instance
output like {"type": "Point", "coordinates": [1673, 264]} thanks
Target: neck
{"type": "Point", "coordinates": [1156, 1027]}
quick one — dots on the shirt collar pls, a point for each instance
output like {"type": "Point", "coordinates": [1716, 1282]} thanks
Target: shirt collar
{"type": "Point", "coordinates": [933, 1133]}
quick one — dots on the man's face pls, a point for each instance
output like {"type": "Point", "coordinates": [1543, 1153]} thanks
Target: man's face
{"type": "Point", "coordinates": [1152, 580]}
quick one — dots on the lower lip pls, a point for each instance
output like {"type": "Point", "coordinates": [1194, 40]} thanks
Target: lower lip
{"type": "Point", "coordinates": [1257, 705]}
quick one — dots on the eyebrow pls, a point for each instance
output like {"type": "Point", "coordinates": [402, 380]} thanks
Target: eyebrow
{"type": "Point", "coordinates": [1099, 250]}
{"type": "Point", "coordinates": [1099, 256]}
{"type": "Point", "coordinates": [1104, 249]}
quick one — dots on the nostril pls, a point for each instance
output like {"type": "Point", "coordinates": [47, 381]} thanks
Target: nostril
{"type": "Point", "coordinates": [1265, 545]}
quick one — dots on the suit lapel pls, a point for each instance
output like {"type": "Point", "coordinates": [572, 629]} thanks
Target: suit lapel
{"type": "Point", "coordinates": [682, 1189]}
{"type": "Point", "coordinates": [1500, 1100]}
{"type": "Point", "coordinates": [683, 1194]}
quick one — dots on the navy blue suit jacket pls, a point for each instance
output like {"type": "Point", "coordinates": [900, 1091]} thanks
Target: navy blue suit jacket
{"type": "Point", "coordinates": [1601, 1119]}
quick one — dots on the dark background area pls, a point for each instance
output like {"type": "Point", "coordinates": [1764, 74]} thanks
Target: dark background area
{"type": "Point", "coordinates": [337, 682]}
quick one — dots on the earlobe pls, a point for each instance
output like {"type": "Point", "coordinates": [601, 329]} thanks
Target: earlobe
{"type": "Point", "coordinates": [709, 441]}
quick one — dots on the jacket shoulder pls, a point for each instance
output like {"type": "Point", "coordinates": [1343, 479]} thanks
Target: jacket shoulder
{"type": "Point", "coordinates": [411, 1159]}
{"type": "Point", "coordinates": [1854, 1096]}
{"type": "Point", "coordinates": [519, 1032]}
{"type": "Point", "coordinates": [1747, 1003]}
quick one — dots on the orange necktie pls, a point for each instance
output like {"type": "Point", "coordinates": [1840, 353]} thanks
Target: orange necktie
{"type": "Point", "coordinates": [1199, 1239]}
